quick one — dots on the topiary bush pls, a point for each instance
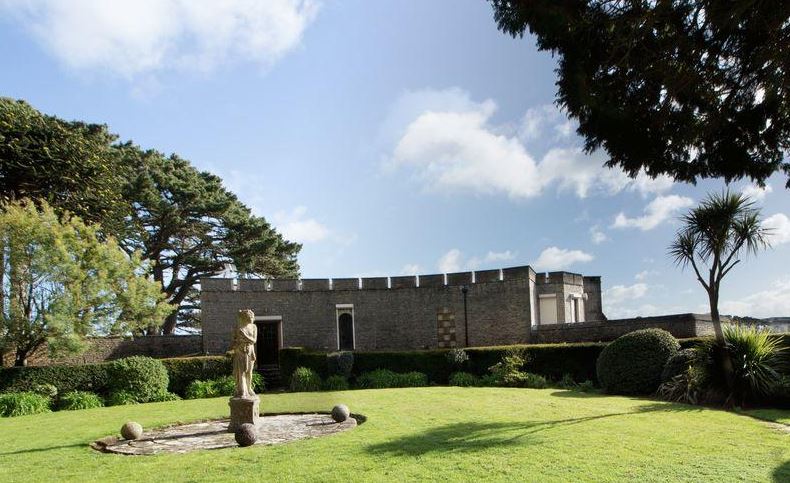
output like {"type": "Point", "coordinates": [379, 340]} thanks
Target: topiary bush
{"type": "Point", "coordinates": [464, 379]}
{"type": "Point", "coordinates": [336, 383]}
{"type": "Point", "coordinates": [305, 380]}
{"type": "Point", "coordinates": [142, 377]}
{"type": "Point", "coordinates": [678, 364]}
{"type": "Point", "coordinates": [79, 400]}
{"type": "Point", "coordinates": [633, 363]}
{"type": "Point", "coordinates": [23, 403]}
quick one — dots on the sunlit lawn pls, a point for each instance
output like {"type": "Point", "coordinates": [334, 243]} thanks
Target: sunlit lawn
{"type": "Point", "coordinates": [435, 433]}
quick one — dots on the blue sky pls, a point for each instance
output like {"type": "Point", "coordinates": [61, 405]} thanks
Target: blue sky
{"type": "Point", "coordinates": [388, 137]}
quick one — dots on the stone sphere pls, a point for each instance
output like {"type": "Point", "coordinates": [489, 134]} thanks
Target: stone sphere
{"type": "Point", "coordinates": [246, 435]}
{"type": "Point", "coordinates": [131, 430]}
{"type": "Point", "coordinates": [340, 413]}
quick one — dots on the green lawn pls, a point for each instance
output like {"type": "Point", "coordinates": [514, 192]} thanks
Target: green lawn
{"type": "Point", "coordinates": [436, 433]}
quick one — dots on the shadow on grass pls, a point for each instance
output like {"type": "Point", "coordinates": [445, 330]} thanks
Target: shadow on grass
{"type": "Point", "coordinates": [40, 450]}
{"type": "Point", "coordinates": [474, 436]}
{"type": "Point", "coordinates": [782, 473]}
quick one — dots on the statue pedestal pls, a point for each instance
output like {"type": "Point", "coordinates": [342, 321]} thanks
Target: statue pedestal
{"type": "Point", "coordinates": [244, 410]}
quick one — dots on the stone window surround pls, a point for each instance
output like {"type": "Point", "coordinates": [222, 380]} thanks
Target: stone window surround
{"type": "Point", "coordinates": [345, 309]}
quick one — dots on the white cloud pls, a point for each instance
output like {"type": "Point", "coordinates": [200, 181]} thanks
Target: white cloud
{"type": "Point", "coordinates": [597, 236]}
{"type": "Point", "coordinates": [296, 227]}
{"type": "Point", "coordinates": [450, 261]}
{"type": "Point", "coordinates": [136, 37]}
{"type": "Point", "coordinates": [644, 274]}
{"type": "Point", "coordinates": [553, 258]}
{"type": "Point", "coordinates": [779, 226]}
{"type": "Point", "coordinates": [755, 192]}
{"type": "Point", "coordinates": [623, 293]}
{"type": "Point", "coordinates": [773, 302]}
{"type": "Point", "coordinates": [411, 269]}
{"type": "Point", "coordinates": [656, 212]}
{"type": "Point", "coordinates": [450, 144]}
{"type": "Point", "coordinates": [490, 260]}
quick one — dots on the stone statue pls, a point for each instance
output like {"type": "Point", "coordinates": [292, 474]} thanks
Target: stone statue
{"type": "Point", "coordinates": [243, 346]}
{"type": "Point", "coordinates": [244, 405]}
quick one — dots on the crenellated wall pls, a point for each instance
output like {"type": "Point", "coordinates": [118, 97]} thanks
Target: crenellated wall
{"type": "Point", "coordinates": [390, 312]}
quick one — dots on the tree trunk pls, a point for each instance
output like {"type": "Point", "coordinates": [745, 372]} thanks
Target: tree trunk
{"type": "Point", "coordinates": [20, 359]}
{"type": "Point", "coordinates": [170, 323]}
{"type": "Point", "coordinates": [726, 360]}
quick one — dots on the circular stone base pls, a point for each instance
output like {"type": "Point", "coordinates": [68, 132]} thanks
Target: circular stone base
{"type": "Point", "coordinates": [214, 434]}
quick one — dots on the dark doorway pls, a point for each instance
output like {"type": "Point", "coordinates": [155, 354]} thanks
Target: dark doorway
{"type": "Point", "coordinates": [268, 347]}
{"type": "Point", "coordinates": [345, 327]}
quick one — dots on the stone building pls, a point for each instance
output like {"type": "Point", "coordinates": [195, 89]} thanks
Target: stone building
{"type": "Point", "coordinates": [492, 307]}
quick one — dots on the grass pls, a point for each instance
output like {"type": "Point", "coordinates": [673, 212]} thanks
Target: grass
{"type": "Point", "coordinates": [437, 433]}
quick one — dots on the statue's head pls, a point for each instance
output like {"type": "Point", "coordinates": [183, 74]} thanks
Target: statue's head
{"type": "Point", "coordinates": [246, 316]}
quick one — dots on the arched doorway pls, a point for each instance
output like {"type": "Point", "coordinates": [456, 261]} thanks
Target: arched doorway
{"type": "Point", "coordinates": [345, 331]}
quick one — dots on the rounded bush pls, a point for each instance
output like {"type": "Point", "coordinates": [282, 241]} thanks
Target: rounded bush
{"type": "Point", "coordinates": [79, 400]}
{"type": "Point", "coordinates": [340, 413]}
{"type": "Point", "coordinates": [464, 379]}
{"type": "Point", "coordinates": [23, 403]}
{"type": "Point", "coordinates": [633, 363]}
{"type": "Point", "coordinates": [336, 383]}
{"type": "Point", "coordinates": [131, 430]}
{"type": "Point", "coordinates": [246, 435]}
{"type": "Point", "coordinates": [678, 364]}
{"type": "Point", "coordinates": [340, 363]}
{"type": "Point", "coordinates": [143, 377]}
{"type": "Point", "coordinates": [304, 380]}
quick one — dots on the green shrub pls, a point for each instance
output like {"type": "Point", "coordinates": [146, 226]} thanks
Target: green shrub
{"type": "Point", "coordinates": [121, 398]}
{"type": "Point", "coordinates": [633, 363]}
{"type": "Point", "coordinates": [377, 379]}
{"type": "Point", "coordinates": [143, 377]}
{"type": "Point", "coordinates": [201, 390]}
{"type": "Point", "coordinates": [165, 396]}
{"type": "Point", "coordinates": [225, 386]}
{"type": "Point", "coordinates": [567, 382]}
{"type": "Point", "coordinates": [183, 370]}
{"type": "Point", "coordinates": [678, 364]}
{"type": "Point", "coordinates": [79, 400]}
{"type": "Point", "coordinates": [457, 357]}
{"type": "Point", "coordinates": [293, 357]}
{"type": "Point", "coordinates": [552, 361]}
{"type": "Point", "coordinates": [432, 363]}
{"type": "Point", "coordinates": [22, 404]}
{"type": "Point", "coordinates": [86, 377]}
{"type": "Point", "coordinates": [258, 383]}
{"type": "Point", "coordinates": [464, 379]}
{"type": "Point", "coordinates": [336, 382]}
{"type": "Point", "coordinates": [304, 380]}
{"type": "Point", "coordinates": [47, 390]}
{"type": "Point", "coordinates": [340, 363]}
{"type": "Point", "coordinates": [488, 380]}
{"type": "Point", "coordinates": [586, 386]}
{"type": "Point", "coordinates": [757, 358]}
{"type": "Point", "coordinates": [508, 373]}
{"type": "Point", "coordinates": [411, 379]}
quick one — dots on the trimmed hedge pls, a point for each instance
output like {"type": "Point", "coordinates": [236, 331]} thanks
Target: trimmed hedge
{"type": "Point", "coordinates": [551, 361]}
{"type": "Point", "coordinates": [87, 377]}
{"type": "Point", "coordinates": [143, 377]}
{"type": "Point", "coordinates": [183, 370]}
{"type": "Point", "coordinates": [633, 363]}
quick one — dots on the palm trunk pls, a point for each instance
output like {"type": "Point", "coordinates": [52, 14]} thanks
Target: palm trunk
{"type": "Point", "coordinates": [726, 360]}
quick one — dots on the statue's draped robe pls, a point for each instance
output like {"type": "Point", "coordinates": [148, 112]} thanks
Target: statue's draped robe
{"type": "Point", "coordinates": [244, 359]}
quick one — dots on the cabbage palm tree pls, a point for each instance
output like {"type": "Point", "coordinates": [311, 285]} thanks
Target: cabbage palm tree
{"type": "Point", "coordinates": [714, 237]}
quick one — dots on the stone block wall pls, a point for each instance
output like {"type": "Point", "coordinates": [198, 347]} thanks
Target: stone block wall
{"type": "Point", "coordinates": [681, 326]}
{"type": "Point", "coordinates": [101, 349]}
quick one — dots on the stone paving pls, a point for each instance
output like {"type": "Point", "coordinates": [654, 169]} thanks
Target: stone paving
{"type": "Point", "coordinates": [276, 429]}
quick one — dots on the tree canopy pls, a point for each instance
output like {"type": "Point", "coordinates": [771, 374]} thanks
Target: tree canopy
{"type": "Point", "coordinates": [60, 283]}
{"type": "Point", "coordinates": [692, 89]}
{"type": "Point", "coordinates": [71, 165]}
{"type": "Point", "coordinates": [190, 227]}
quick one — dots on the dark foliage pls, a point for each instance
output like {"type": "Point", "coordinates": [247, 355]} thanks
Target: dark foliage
{"type": "Point", "coordinates": [143, 377]}
{"type": "Point", "coordinates": [633, 363]}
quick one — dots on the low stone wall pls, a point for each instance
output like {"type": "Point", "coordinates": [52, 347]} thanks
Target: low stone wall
{"type": "Point", "coordinates": [681, 326]}
{"type": "Point", "coordinates": [102, 349]}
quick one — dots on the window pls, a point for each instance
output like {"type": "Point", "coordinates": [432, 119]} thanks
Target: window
{"type": "Point", "coordinates": [548, 309]}
{"type": "Point", "coordinates": [346, 338]}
